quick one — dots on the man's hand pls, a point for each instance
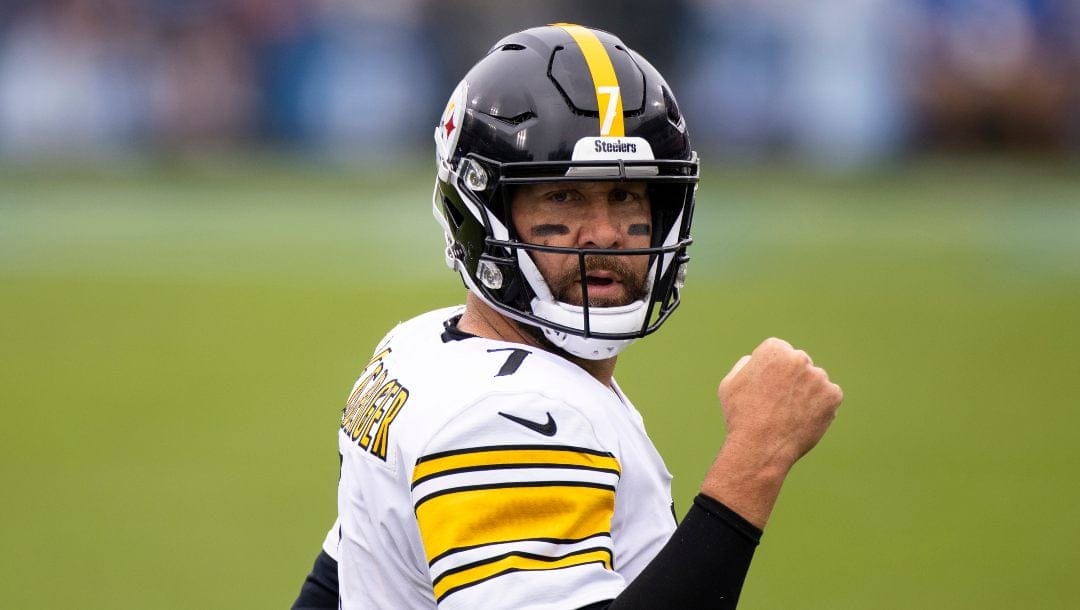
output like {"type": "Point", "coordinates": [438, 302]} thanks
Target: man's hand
{"type": "Point", "coordinates": [777, 406]}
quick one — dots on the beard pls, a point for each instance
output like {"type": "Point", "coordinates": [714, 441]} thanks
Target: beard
{"type": "Point", "coordinates": [567, 287]}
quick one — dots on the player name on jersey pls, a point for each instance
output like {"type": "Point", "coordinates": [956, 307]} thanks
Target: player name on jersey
{"type": "Point", "coordinates": [373, 405]}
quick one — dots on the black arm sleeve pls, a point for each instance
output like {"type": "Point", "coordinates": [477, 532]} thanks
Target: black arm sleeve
{"type": "Point", "coordinates": [702, 566]}
{"type": "Point", "coordinates": [320, 589]}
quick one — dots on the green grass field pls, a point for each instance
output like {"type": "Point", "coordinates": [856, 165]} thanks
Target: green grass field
{"type": "Point", "coordinates": [176, 345]}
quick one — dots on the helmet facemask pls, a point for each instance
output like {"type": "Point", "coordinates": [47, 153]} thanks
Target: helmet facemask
{"type": "Point", "coordinates": [505, 274]}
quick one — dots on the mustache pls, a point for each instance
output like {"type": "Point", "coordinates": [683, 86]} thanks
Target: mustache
{"type": "Point", "coordinates": [609, 264]}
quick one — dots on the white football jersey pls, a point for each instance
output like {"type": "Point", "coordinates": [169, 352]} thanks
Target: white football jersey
{"type": "Point", "coordinates": [483, 474]}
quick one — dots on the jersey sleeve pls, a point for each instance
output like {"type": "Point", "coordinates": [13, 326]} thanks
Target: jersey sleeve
{"type": "Point", "coordinates": [330, 542]}
{"type": "Point", "coordinates": [514, 500]}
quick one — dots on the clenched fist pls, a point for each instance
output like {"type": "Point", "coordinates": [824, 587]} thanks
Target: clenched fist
{"type": "Point", "coordinates": [777, 406]}
{"type": "Point", "coordinates": [777, 402]}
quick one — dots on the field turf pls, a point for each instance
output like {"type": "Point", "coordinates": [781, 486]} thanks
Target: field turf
{"type": "Point", "coordinates": [176, 344]}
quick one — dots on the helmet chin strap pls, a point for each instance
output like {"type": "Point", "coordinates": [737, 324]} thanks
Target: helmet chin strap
{"type": "Point", "coordinates": [588, 348]}
{"type": "Point", "coordinates": [601, 320]}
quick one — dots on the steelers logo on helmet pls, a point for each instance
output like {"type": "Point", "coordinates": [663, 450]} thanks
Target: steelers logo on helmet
{"type": "Point", "coordinates": [563, 103]}
{"type": "Point", "coordinates": [449, 129]}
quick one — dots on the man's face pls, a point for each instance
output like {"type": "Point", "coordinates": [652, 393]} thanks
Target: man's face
{"type": "Point", "coordinates": [598, 214]}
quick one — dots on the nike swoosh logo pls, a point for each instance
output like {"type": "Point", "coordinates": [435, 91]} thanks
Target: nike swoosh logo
{"type": "Point", "coordinates": [547, 429]}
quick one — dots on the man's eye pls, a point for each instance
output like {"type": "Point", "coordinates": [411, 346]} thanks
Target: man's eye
{"type": "Point", "coordinates": [560, 196]}
{"type": "Point", "coordinates": [623, 196]}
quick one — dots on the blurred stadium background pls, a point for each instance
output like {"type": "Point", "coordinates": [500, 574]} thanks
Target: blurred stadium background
{"type": "Point", "coordinates": [210, 210]}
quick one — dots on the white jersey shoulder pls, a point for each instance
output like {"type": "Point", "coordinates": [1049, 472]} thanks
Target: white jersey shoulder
{"type": "Point", "coordinates": [480, 473]}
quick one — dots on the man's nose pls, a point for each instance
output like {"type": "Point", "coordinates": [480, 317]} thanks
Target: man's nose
{"type": "Point", "coordinates": [600, 229]}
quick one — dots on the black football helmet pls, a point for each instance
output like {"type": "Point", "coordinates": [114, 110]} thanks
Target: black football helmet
{"type": "Point", "coordinates": [563, 103]}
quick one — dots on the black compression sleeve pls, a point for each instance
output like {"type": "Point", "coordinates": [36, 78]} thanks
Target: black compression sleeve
{"type": "Point", "coordinates": [320, 589]}
{"type": "Point", "coordinates": [702, 566]}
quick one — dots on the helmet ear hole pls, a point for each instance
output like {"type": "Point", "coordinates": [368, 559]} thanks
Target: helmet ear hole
{"type": "Point", "coordinates": [453, 214]}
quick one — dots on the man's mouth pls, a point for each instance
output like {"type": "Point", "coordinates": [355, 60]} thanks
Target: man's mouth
{"type": "Point", "coordinates": [604, 288]}
{"type": "Point", "coordinates": [600, 278]}
{"type": "Point", "coordinates": [609, 283]}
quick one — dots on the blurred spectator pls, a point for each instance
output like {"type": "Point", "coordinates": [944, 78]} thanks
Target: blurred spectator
{"type": "Point", "coordinates": [840, 82]}
{"type": "Point", "coordinates": [847, 82]}
{"type": "Point", "coordinates": [284, 37]}
{"type": "Point", "coordinates": [1068, 25]}
{"type": "Point", "coordinates": [735, 62]}
{"type": "Point", "coordinates": [998, 73]}
{"type": "Point", "coordinates": [823, 81]}
{"type": "Point", "coordinates": [462, 31]}
{"type": "Point", "coordinates": [367, 91]}
{"type": "Point", "coordinates": [202, 79]}
{"type": "Point", "coordinates": [67, 80]}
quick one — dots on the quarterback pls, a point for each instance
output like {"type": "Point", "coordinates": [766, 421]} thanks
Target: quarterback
{"type": "Point", "coordinates": [489, 459]}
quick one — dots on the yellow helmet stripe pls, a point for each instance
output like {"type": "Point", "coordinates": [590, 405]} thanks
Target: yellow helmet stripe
{"type": "Point", "coordinates": [608, 96]}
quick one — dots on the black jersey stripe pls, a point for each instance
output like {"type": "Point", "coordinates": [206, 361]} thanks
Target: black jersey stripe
{"type": "Point", "coordinates": [520, 554]}
{"type": "Point", "coordinates": [480, 572]}
{"type": "Point", "coordinates": [508, 456]}
{"type": "Point", "coordinates": [569, 448]}
{"type": "Point", "coordinates": [481, 468]}
{"type": "Point", "coordinates": [566, 541]}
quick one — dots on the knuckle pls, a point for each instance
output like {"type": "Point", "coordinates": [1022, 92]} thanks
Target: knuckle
{"type": "Point", "coordinates": [775, 344]}
{"type": "Point", "coordinates": [784, 345]}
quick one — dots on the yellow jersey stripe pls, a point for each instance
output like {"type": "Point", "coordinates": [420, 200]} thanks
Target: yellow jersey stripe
{"type": "Point", "coordinates": [513, 457]}
{"type": "Point", "coordinates": [476, 573]}
{"type": "Point", "coordinates": [470, 517]}
{"type": "Point", "coordinates": [608, 96]}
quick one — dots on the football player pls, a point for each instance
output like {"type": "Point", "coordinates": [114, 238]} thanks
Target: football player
{"type": "Point", "coordinates": [488, 457]}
